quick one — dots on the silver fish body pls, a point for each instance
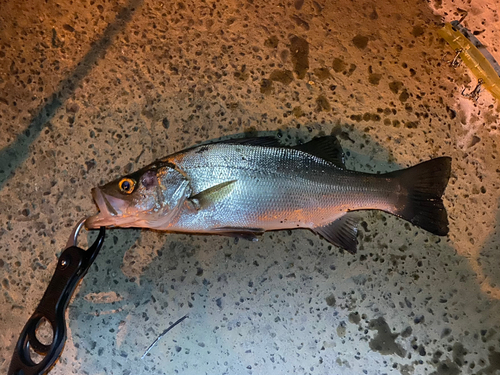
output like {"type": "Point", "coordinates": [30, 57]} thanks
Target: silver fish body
{"type": "Point", "coordinates": [276, 188]}
{"type": "Point", "coordinates": [251, 186]}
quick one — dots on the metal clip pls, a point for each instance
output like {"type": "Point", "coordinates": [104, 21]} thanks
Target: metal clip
{"type": "Point", "coordinates": [474, 94]}
{"type": "Point", "coordinates": [73, 264]}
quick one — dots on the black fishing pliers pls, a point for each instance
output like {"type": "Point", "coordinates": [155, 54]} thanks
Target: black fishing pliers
{"type": "Point", "coordinates": [72, 266]}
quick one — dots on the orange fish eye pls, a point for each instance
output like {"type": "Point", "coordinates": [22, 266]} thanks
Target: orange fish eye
{"type": "Point", "coordinates": [126, 185]}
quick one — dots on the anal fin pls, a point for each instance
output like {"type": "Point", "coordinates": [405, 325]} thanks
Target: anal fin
{"type": "Point", "coordinates": [341, 232]}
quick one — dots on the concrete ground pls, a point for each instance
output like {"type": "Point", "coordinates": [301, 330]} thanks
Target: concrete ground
{"type": "Point", "coordinates": [90, 90]}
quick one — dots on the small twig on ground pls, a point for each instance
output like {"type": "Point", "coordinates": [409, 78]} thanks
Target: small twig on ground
{"type": "Point", "coordinates": [163, 334]}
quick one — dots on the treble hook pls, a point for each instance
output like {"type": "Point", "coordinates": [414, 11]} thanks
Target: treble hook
{"type": "Point", "coordinates": [457, 61]}
{"type": "Point", "coordinates": [474, 94]}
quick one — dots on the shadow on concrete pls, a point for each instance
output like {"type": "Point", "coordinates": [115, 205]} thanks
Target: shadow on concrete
{"type": "Point", "coordinates": [12, 156]}
{"type": "Point", "coordinates": [487, 261]}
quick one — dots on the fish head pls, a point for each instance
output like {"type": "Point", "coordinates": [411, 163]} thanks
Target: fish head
{"type": "Point", "coordinates": [147, 198]}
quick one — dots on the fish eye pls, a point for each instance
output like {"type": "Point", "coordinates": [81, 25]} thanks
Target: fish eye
{"type": "Point", "coordinates": [126, 185]}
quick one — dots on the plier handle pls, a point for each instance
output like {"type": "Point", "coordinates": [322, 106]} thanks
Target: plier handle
{"type": "Point", "coordinates": [72, 266]}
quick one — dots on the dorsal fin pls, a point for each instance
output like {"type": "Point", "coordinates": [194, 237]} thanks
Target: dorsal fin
{"type": "Point", "coordinates": [327, 148]}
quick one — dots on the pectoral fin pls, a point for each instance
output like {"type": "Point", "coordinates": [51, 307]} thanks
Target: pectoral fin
{"type": "Point", "coordinates": [341, 232]}
{"type": "Point", "coordinates": [212, 195]}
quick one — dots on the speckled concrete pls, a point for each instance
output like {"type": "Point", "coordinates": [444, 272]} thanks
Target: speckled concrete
{"type": "Point", "coordinates": [92, 89]}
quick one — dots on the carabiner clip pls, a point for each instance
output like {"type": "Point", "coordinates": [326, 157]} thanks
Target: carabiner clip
{"type": "Point", "coordinates": [72, 266]}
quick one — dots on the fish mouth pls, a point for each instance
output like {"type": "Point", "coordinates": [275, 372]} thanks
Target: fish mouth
{"type": "Point", "coordinates": [108, 214]}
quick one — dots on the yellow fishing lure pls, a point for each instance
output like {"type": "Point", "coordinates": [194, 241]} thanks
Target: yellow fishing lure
{"type": "Point", "coordinates": [473, 58]}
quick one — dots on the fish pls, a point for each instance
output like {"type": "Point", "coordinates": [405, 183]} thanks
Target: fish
{"type": "Point", "coordinates": [245, 187]}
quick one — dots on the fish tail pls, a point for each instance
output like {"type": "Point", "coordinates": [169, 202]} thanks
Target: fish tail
{"type": "Point", "coordinates": [425, 184]}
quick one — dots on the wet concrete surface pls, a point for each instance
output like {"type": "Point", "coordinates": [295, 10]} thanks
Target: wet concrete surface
{"type": "Point", "coordinates": [92, 90]}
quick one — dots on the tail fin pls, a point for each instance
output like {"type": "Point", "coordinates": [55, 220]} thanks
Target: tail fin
{"type": "Point", "coordinates": [425, 184]}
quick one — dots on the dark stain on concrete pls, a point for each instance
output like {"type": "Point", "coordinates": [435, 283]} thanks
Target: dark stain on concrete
{"type": "Point", "coordinates": [299, 49]}
{"type": "Point", "coordinates": [339, 65]}
{"type": "Point", "coordinates": [322, 73]}
{"type": "Point", "coordinates": [360, 41]}
{"type": "Point", "coordinates": [395, 86]}
{"type": "Point", "coordinates": [298, 4]}
{"type": "Point", "coordinates": [323, 104]}
{"type": "Point", "coordinates": [283, 76]}
{"type": "Point", "coordinates": [384, 342]}
{"type": "Point", "coordinates": [330, 300]}
{"type": "Point", "coordinates": [374, 78]}
{"type": "Point", "coordinates": [403, 97]}
{"type": "Point", "coordinates": [417, 31]}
